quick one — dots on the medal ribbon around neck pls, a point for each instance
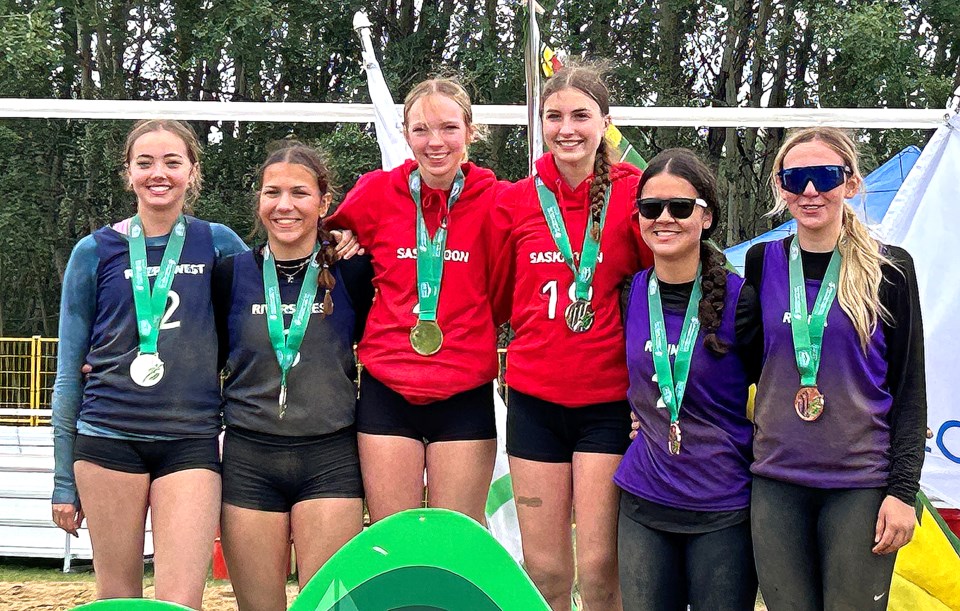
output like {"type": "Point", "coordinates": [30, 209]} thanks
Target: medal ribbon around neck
{"type": "Point", "coordinates": [150, 305]}
{"type": "Point", "coordinates": [808, 336]}
{"type": "Point", "coordinates": [426, 337]}
{"type": "Point", "coordinates": [582, 275]}
{"type": "Point", "coordinates": [286, 342]}
{"type": "Point", "coordinates": [673, 380]}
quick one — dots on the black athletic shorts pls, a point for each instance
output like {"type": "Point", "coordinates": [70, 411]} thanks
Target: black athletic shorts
{"type": "Point", "coordinates": [466, 416]}
{"type": "Point", "coordinates": [548, 432]}
{"type": "Point", "coordinates": [275, 472]}
{"type": "Point", "coordinates": [158, 458]}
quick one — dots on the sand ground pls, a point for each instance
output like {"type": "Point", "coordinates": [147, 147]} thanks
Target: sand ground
{"type": "Point", "coordinates": [61, 596]}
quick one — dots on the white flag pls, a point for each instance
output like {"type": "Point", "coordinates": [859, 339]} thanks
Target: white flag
{"type": "Point", "coordinates": [501, 508]}
{"type": "Point", "coordinates": [388, 122]}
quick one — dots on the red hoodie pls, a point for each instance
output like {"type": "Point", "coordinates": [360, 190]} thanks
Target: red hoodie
{"type": "Point", "coordinates": [381, 211]}
{"type": "Point", "coordinates": [546, 359]}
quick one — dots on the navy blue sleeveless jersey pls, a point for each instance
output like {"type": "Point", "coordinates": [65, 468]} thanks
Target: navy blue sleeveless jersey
{"type": "Point", "coordinates": [186, 402]}
{"type": "Point", "coordinates": [321, 395]}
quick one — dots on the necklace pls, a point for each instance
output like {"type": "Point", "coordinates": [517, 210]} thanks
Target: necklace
{"type": "Point", "coordinates": [290, 270]}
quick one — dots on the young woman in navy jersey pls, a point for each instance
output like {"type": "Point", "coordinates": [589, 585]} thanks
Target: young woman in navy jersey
{"type": "Point", "coordinates": [141, 431]}
{"type": "Point", "coordinates": [684, 528]}
{"type": "Point", "coordinates": [429, 346]}
{"type": "Point", "coordinates": [570, 244]}
{"type": "Point", "coordinates": [841, 401]}
{"type": "Point", "coordinates": [290, 462]}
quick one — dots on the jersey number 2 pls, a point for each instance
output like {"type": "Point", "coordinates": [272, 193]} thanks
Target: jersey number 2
{"type": "Point", "coordinates": [173, 302]}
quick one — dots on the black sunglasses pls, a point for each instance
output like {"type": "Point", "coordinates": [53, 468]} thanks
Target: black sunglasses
{"type": "Point", "coordinates": [680, 207]}
{"type": "Point", "coordinates": [824, 178]}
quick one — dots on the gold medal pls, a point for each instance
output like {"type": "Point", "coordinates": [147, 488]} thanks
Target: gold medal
{"type": "Point", "coordinates": [673, 441]}
{"type": "Point", "coordinates": [426, 337]}
{"type": "Point", "coordinates": [579, 316]}
{"type": "Point", "coordinates": [809, 403]}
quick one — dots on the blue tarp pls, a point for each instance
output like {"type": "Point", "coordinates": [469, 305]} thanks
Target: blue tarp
{"type": "Point", "coordinates": [881, 186]}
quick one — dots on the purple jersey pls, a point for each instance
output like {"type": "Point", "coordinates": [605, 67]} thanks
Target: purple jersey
{"type": "Point", "coordinates": [711, 473]}
{"type": "Point", "coordinates": [848, 446]}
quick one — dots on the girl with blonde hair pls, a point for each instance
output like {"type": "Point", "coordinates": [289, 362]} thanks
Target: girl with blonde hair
{"type": "Point", "coordinates": [841, 402]}
{"type": "Point", "coordinates": [429, 347]}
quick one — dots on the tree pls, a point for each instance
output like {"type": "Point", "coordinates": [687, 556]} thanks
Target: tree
{"type": "Point", "coordinates": [61, 179]}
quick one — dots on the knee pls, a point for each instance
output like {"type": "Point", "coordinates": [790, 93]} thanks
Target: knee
{"type": "Point", "coordinates": [598, 577]}
{"type": "Point", "coordinates": [552, 576]}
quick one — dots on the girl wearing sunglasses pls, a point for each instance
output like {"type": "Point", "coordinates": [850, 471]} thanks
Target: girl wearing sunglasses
{"type": "Point", "coordinates": [570, 246]}
{"type": "Point", "coordinates": [684, 529]}
{"type": "Point", "coordinates": [841, 402]}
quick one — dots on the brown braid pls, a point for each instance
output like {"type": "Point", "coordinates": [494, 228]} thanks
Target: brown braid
{"type": "Point", "coordinates": [326, 256]}
{"type": "Point", "coordinates": [598, 188]}
{"type": "Point", "coordinates": [713, 282]}
{"type": "Point", "coordinates": [292, 151]}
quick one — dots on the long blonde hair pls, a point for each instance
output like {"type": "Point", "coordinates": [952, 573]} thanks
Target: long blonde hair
{"type": "Point", "coordinates": [860, 273]}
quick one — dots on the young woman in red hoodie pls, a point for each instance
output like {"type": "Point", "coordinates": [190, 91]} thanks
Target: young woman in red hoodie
{"type": "Point", "coordinates": [429, 347]}
{"type": "Point", "coordinates": [572, 241]}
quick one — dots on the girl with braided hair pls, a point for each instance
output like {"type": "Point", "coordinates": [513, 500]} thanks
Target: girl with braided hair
{"type": "Point", "coordinates": [569, 245]}
{"type": "Point", "coordinates": [288, 314]}
{"type": "Point", "coordinates": [684, 529]}
{"type": "Point", "coordinates": [841, 402]}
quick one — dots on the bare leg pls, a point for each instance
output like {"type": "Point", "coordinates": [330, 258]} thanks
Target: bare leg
{"type": "Point", "coordinates": [115, 504]}
{"type": "Point", "coordinates": [543, 492]}
{"type": "Point", "coordinates": [392, 468]}
{"type": "Point", "coordinates": [459, 475]}
{"type": "Point", "coordinates": [320, 528]}
{"type": "Point", "coordinates": [256, 546]}
{"type": "Point", "coordinates": [595, 500]}
{"type": "Point", "coordinates": [185, 506]}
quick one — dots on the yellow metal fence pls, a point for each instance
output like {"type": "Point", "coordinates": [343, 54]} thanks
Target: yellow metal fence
{"type": "Point", "coordinates": [27, 369]}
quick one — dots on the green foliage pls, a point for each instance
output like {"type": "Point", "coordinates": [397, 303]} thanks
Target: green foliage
{"type": "Point", "coordinates": [61, 179]}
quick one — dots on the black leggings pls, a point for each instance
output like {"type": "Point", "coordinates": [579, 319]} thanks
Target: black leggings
{"type": "Point", "coordinates": [813, 547]}
{"type": "Point", "coordinates": [666, 571]}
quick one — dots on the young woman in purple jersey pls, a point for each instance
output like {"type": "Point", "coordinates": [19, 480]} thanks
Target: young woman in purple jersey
{"type": "Point", "coordinates": [684, 529]}
{"type": "Point", "coordinates": [841, 401]}
{"type": "Point", "coordinates": [141, 430]}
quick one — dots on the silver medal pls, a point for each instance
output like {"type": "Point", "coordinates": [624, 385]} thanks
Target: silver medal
{"type": "Point", "coordinates": [146, 369]}
{"type": "Point", "coordinates": [579, 316]}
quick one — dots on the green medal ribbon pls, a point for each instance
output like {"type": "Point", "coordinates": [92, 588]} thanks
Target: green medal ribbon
{"type": "Point", "coordinates": [149, 306]}
{"type": "Point", "coordinates": [286, 342]}
{"type": "Point", "coordinates": [430, 251]}
{"type": "Point", "coordinates": [673, 380]}
{"type": "Point", "coordinates": [808, 329]}
{"type": "Point", "coordinates": [582, 275]}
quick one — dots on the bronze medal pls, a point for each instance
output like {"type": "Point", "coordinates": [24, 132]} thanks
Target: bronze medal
{"type": "Point", "coordinates": [809, 403]}
{"type": "Point", "coordinates": [426, 337]}
{"type": "Point", "coordinates": [673, 442]}
{"type": "Point", "coordinates": [579, 316]}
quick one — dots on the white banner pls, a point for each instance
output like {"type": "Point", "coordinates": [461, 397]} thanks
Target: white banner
{"type": "Point", "coordinates": [388, 120]}
{"type": "Point", "coordinates": [923, 218]}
